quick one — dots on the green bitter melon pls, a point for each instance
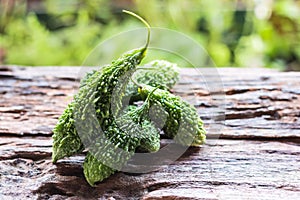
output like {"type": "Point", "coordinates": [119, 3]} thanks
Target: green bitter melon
{"type": "Point", "coordinates": [180, 119]}
{"type": "Point", "coordinates": [123, 136]}
{"type": "Point", "coordinates": [157, 73]}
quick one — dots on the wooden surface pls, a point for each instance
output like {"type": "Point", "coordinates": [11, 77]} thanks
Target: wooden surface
{"type": "Point", "coordinates": [254, 154]}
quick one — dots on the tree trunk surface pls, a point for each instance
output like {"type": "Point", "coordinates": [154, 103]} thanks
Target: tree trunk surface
{"type": "Point", "coordinates": [252, 150]}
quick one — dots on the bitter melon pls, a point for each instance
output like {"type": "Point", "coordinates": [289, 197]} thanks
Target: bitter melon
{"type": "Point", "coordinates": [97, 87]}
{"type": "Point", "coordinates": [122, 137]}
{"type": "Point", "coordinates": [157, 73]}
{"type": "Point", "coordinates": [96, 120]}
{"type": "Point", "coordinates": [181, 120]}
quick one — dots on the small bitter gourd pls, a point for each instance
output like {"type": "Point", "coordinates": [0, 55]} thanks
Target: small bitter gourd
{"type": "Point", "coordinates": [157, 73]}
{"type": "Point", "coordinates": [101, 97]}
{"type": "Point", "coordinates": [66, 141]}
{"type": "Point", "coordinates": [125, 134]}
{"type": "Point", "coordinates": [98, 87]}
{"type": "Point", "coordinates": [181, 120]}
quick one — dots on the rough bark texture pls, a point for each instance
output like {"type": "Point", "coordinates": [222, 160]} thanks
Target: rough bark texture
{"type": "Point", "coordinates": [254, 154]}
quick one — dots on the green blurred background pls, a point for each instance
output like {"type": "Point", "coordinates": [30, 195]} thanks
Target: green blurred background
{"type": "Point", "coordinates": [242, 33]}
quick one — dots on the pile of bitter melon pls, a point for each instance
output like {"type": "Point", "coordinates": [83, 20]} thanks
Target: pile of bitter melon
{"type": "Point", "coordinates": [105, 120]}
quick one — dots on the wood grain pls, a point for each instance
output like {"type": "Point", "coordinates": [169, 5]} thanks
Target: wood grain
{"type": "Point", "coordinates": [252, 152]}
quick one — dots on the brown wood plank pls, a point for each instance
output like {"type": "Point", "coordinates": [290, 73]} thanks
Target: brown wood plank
{"type": "Point", "coordinates": [254, 154]}
{"type": "Point", "coordinates": [220, 169]}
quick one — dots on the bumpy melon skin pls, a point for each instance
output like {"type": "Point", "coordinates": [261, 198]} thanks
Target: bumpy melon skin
{"type": "Point", "coordinates": [181, 120]}
{"type": "Point", "coordinates": [159, 73]}
{"type": "Point", "coordinates": [110, 153]}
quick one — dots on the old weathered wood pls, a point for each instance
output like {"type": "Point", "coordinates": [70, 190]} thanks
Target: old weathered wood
{"type": "Point", "coordinates": [254, 154]}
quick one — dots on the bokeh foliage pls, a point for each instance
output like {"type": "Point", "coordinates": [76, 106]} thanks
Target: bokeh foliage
{"type": "Point", "coordinates": [235, 33]}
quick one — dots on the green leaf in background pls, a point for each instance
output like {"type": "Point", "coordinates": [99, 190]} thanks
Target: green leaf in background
{"type": "Point", "coordinates": [56, 32]}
